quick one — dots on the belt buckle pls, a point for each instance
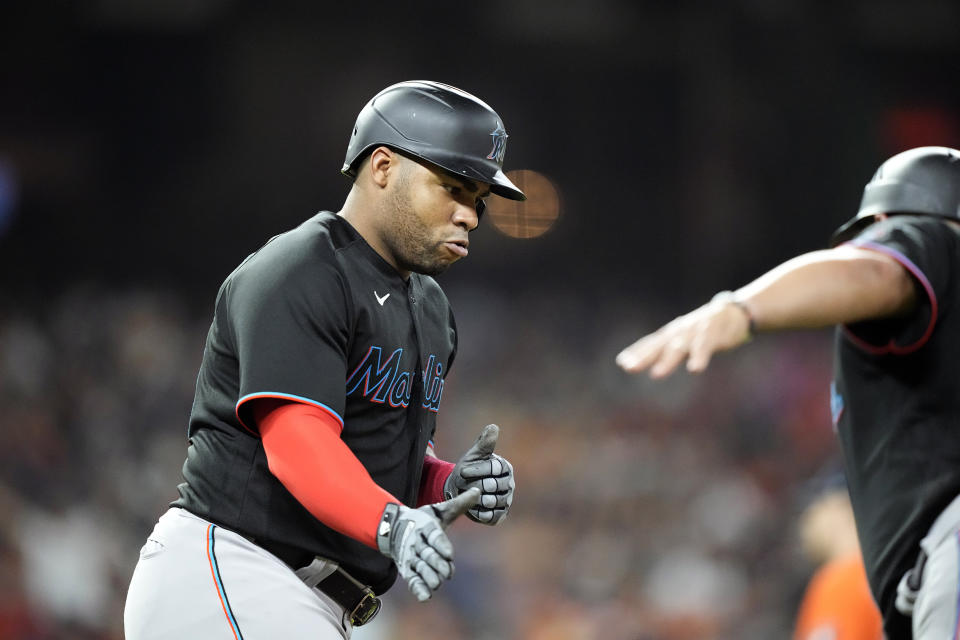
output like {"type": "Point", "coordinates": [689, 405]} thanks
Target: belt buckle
{"type": "Point", "coordinates": [366, 609]}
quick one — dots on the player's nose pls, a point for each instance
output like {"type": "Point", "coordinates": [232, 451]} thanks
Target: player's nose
{"type": "Point", "coordinates": [466, 216]}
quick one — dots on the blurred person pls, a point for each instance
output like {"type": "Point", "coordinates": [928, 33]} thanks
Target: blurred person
{"type": "Point", "coordinates": [890, 281]}
{"type": "Point", "coordinates": [311, 479]}
{"type": "Point", "coordinates": [837, 602]}
{"type": "Point", "coordinates": [553, 615]}
{"type": "Point", "coordinates": [78, 540]}
{"type": "Point", "coordinates": [18, 615]}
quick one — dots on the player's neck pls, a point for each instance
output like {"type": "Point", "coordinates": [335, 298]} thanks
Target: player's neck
{"type": "Point", "coordinates": [362, 217]}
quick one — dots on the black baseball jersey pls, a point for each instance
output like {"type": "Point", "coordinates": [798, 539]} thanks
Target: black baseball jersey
{"type": "Point", "coordinates": [896, 404]}
{"type": "Point", "coordinates": [317, 316]}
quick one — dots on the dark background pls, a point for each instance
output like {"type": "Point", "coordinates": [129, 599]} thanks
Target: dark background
{"type": "Point", "coordinates": [146, 147]}
{"type": "Point", "coordinates": [158, 142]}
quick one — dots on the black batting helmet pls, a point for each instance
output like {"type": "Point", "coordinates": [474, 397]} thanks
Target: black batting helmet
{"type": "Point", "coordinates": [924, 181]}
{"type": "Point", "coordinates": [441, 124]}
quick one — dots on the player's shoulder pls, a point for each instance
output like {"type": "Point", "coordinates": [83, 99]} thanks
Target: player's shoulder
{"type": "Point", "coordinates": [909, 222]}
{"type": "Point", "coordinates": [315, 240]}
{"type": "Point", "coordinates": [916, 231]}
{"type": "Point", "coordinates": [329, 229]}
{"type": "Point", "coordinates": [323, 234]}
{"type": "Point", "coordinates": [302, 257]}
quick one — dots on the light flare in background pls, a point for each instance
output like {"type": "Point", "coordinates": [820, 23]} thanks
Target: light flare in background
{"type": "Point", "coordinates": [532, 217]}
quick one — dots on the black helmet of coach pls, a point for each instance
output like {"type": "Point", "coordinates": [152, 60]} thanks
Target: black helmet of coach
{"type": "Point", "coordinates": [444, 125]}
{"type": "Point", "coordinates": [923, 181]}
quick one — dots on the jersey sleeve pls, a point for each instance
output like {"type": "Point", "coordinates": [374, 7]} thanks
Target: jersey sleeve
{"type": "Point", "coordinates": [924, 246]}
{"type": "Point", "coordinates": [290, 320]}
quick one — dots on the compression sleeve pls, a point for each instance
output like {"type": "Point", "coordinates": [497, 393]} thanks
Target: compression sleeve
{"type": "Point", "coordinates": [305, 452]}
{"type": "Point", "coordinates": [432, 478]}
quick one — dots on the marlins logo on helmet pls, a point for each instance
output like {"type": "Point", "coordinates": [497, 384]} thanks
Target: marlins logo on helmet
{"type": "Point", "coordinates": [499, 136]}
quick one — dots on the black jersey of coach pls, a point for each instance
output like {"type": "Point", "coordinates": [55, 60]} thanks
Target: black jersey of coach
{"type": "Point", "coordinates": [896, 403]}
{"type": "Point", "coordinates": [317, 315]}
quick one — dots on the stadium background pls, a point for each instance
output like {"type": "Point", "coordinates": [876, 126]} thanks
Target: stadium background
{"type": "Point", "coordinates": [146, 147]}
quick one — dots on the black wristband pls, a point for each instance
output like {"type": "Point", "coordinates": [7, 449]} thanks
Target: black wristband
{"type": "Point", "coordinates": [385, 528]}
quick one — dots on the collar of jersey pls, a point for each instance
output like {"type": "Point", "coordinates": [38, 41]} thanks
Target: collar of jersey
{"type": "Point", "coordinates": [374, 258]}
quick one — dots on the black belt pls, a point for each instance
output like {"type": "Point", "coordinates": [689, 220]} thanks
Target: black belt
{"type": "Point", "coordinates": [357, 598]}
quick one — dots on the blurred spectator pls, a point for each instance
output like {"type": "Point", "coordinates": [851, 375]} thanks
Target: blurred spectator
{"type": "Point", "coordinates": [626, 525]}
{"type": "Point", "coordinates": [837, 603]}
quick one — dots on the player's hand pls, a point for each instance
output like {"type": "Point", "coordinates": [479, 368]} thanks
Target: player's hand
{"type": "Point", "coordinates": [718, 325]}
{"type": "Point", "coordinates": [415, 540]}
{"type": "Point", "coordinates": [492, 474]}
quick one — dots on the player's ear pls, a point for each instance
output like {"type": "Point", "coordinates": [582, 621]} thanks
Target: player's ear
{"type": "Point", "coordinates": [382, 161]}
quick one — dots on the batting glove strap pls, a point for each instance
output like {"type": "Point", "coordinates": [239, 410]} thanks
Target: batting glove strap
{"type": "Point", "coordinates": [387, 521]}
{"type": "Point", "coordinates": [415, 541]}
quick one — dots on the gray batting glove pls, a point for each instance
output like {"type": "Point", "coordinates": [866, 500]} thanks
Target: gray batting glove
{"type": "Point", "coordinates": [415, 540]}
{"type": "Point", "coordinates": [483, 469]}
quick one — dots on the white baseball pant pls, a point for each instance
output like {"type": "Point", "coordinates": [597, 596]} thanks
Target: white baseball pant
{"type": "Point", "coordinates": [195, 579]}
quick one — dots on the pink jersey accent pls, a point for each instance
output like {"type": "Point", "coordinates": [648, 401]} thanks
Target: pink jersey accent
{"type": "Point", "coordinates": [891, 347]}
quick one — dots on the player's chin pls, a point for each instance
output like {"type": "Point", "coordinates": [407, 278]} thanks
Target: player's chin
{"type": "Point", "coordinates": [433, 267]}
{"type": "Point", "coordinates": [441, 261]}
{"type": "Point", "coordinates": [437, 269]}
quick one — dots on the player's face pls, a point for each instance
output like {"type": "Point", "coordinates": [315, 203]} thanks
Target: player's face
{"type": "Point", "coordinates": [433, 214]}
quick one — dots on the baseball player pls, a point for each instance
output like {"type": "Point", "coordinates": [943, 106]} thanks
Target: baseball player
{"type": "Point", "coordinates": [890, 282]}
{"type": "Point", "coordinates": [310, 480]}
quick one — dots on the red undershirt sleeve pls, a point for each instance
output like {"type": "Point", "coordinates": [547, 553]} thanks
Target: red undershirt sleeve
{"type": "Point", "coordinates": [305, 452]}
{"type": "Point", "coordinates": [432, 478]}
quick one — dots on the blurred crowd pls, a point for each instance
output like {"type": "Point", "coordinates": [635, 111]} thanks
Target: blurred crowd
{"type": "Point", "coordinates": [696, 144]}
{"type": "Point", "coordinates": [644, 510]}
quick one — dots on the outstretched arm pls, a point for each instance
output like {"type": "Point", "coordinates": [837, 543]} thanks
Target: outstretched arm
{"type": "Point", "coordinates": [814, 290]}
